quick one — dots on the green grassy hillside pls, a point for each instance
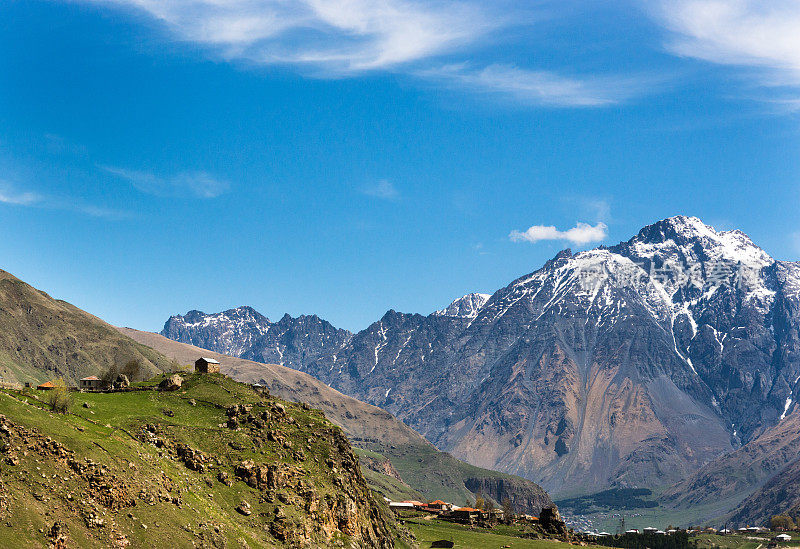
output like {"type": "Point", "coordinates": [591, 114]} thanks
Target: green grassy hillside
{"type": "Point", "coordinates": [42, 338]}
{"type": "Point", "coordinates": [213, 464]}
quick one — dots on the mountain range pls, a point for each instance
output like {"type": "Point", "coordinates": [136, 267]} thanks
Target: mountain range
{"type": "Point", "coordinates": [636, 365]}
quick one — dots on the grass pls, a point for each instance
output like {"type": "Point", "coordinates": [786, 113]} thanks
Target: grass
{"type": "Point", "coordinates": [108, 429]}
{"type": "Point", "coordinates": [427, 531]}
{"type": "Point", "coordinates": [435, 474]}
{"type": "Point", "coordinates": [707, 541]}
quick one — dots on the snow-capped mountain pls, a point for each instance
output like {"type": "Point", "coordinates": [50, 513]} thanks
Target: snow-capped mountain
{"type": "Point", "coordinates": [628, 365]}
{"type": "Point", "coordinates": [246, 333]}
{"type": "Point", "coordinates": [465, 307]}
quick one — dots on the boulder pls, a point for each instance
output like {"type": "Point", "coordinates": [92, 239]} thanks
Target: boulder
{"type": "Point", "coordinates": [172, 383]}
{"type": "Point", "coordinates": [244, 508]}
{"type": "Point", "coordinates": [122, 382]}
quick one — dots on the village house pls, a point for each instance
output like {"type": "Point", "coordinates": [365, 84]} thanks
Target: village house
{"type": "Point", "coordinates": [46, 386]}
{"type": "Point", "coordinates": [91, 383]}
{"type": "Point", "coordinates": [205, 365]}
{"type": "Point", "coordinates": [398, 506]}
{"type": "Point", "coordinates": [464, 515]}
{"type": "Point", "coordinates": [440, 505]}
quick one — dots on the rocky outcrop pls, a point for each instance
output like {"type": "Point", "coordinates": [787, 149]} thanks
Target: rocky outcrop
{"type": "Point", "coordinates": [171, 383]}
{"type": "Point", "coordinates": [301, 481]}
{"type": "Point", "coordinates": [524, 497]}
{"type": "Point", "coordinates": [383, 466]}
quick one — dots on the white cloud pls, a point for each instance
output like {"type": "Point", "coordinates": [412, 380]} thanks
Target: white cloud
{"type": "Point", "coordinates": [754, 33]}
{"type": "Point", "coordinates": [382, 189]}
{"type": "Point", "coordinates": [337, 35]}
{"type": "Point", "coordinates": [580, 234]}
{"type": "Point", "coordinates": [9, 195]}
{"type": "Point", "coordinates": [199, 184]}
{"type": "Point", "coordinates": [546, 88]}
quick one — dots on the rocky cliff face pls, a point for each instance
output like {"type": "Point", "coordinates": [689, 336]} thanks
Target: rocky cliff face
{"type": "Point", "coordinates": [517, 493]}
{"type": "Point", "coordinates": [632, 365]}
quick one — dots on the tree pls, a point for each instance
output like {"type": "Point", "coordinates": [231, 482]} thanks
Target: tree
{"type": "Point", "coordinates": [781, 522]}
{"type": "Point", "coordinates": [479, 501]}
{"type": "Point", "coordinates": [508, 509]}
{"type": "Point", "coordinates": [59, 398]}
{"type": "Point", "coordinates": [132, 369]}
{"type": "Point", "coordinates": [488, 505]}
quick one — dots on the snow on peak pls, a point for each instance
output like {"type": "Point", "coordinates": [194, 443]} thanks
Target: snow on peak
{"type": "Point", "coordinates": [466, 306]}
{"type": "Point", "coordinates": [688, 238]}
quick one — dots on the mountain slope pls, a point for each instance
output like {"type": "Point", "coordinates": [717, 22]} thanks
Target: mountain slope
{"type": "Point", "coordinates": [747, 479]}
{"type": "Point", "coordinates": [435, 474]}
{"type": "Point", "coordinates": [633, 365]}
{"type": "Point", "coordinates": [42, 338]}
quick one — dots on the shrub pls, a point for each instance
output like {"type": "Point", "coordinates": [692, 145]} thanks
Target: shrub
{"type": "Point", "coordinates": [59, 398]}
{"type": "Point", "coordinates": [782, 522]}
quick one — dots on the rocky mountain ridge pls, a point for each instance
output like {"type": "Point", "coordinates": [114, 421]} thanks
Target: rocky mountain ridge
{"type": "Point", "coordinates": [244, 332]}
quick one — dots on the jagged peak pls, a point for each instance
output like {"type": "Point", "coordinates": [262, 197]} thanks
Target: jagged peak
{"type": "Point", "coordinates": [466, 306]}
{"type": "Point", "coordinates": [691, 237]}
{"type": "Point", "coordinates": [243, 312]}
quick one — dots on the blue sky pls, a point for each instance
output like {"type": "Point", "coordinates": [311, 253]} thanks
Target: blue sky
{"type": "Point", "coordinates": [344, 157]}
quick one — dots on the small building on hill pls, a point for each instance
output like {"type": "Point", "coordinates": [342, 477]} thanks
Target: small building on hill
{"type": "Point", "coordinates": [205, 365]}
{"type": "Point", "coordinates": [91, 383]}
{"type": "Point", "coordinates": [46, 386]}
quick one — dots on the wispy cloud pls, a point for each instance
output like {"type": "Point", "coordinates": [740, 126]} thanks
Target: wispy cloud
{"type": "Point", "coordinates": [198, 184]}
{"type": "Point", "coordinates": [334, 35]}
{"type": "Point", "coordinates": [382, 189]}
{"type": "Point", "coordinates": [751, 33]}
{"type": "Point", "coordinates": [423, 38]}
{"type": "Point", "coordinates": [580, 234]}
{"type": "Point", "coordinates": [10, 195]}
{"type": "Point", "coordinates": [534, 87]}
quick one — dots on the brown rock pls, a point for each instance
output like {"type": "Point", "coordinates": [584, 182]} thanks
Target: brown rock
{"type": "Point", "coordinates": [172, 383]}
